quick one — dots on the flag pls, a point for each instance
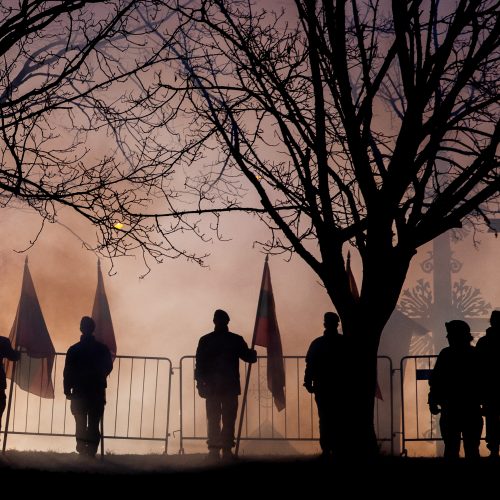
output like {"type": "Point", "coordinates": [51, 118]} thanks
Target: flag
{"type": "Point", "coordinates": [352, 282]}
{"type": "Point", "coordinates": [104, 331]}
{"type": "Point", "coordinates": [267, 334]}
{"type": "Point", "coordinates": [29, 334]}
{"type": "Point", "coordinates": [355, 293]}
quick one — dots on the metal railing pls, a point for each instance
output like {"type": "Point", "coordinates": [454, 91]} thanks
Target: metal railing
{"type": "Point", "coordinates": [137, 402]}
{"type": "Point", "coordinates": [297, 422]}
{"type": "Point", "coordinates": [422, 426]}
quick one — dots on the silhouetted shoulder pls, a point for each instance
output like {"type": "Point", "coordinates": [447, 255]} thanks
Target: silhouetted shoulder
{"type": "Point", "coordinates": [317, 342]}
{"type": "Point", "coordinates": [5, 344]}
{"type": "Point", "coordinates": [206, 337]}
{"type": "Point", "coordinates": [445, 352]}
{"type": "Point", "coordinates": [102, 347]}
{"type": "Point", "coordinates": [237, 337]}
{"type": "Point", "coordinates": [481, 342]}
{"type": "Point", "coordinates": [73, 348]}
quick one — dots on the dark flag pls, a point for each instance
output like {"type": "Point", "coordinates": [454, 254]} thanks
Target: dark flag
{"type": "Point", "coordinates": [355, 293]}
{"type": "Point", "coordinates": [266, 334]}
{"type": "Point", "coordinates": [104, 331]}
{"type": "Point", "coordinates": [33, 372]}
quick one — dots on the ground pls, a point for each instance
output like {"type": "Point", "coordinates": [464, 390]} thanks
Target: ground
{"type": "Point", "coordinates": [191, 476]}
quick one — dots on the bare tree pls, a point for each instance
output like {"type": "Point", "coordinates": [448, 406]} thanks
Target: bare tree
{"type": "Point", "coordinates": [60, 62]}
{"type": "Point", "coordinates": [367, 123]}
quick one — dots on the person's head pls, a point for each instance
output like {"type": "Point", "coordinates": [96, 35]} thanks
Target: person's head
{"type": "Point", "coordinates": [221, 318]}
{"type": "Point", "coordinates": [458, 333]}
{"type": "Point", "coordinates": [495, 319]}
{"type": "Point", "coordinates": [87, 325]}
{"type": "Point", "coordinates": [331, 321]}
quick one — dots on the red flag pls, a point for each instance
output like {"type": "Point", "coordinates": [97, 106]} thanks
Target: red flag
{"type": "Point", "coordinates": [29, 333]}
{"type": "Point", "coordinates": [267, 334]}
{"type": "Point", "coordinates": [355, 293]}
{"type": "Point", "coordinates": [104, 331]}
{"type": "Point", "coordinates": [352, 282]}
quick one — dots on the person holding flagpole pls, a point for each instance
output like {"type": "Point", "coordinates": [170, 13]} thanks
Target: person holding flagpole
{"type": "Point", "coordinates": [217, 375]}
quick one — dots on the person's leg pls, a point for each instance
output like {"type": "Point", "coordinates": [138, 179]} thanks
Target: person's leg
{"type": "Point", "coordinates": [213, 405]}
{"type": "Point", "coordinates": [79, 411]}
{"type": "Point", "coordinates": [229, 413]}
{"type": "Point", "coordinates": [3, 404]}
{"type": "Point", "coordinates": [493, 432]}
{"type": "Point", "coordinates": [324, 427]}
{"type": "Point", "coordinates": [472, 428]}
{"type": "Point", "coordinates": [450, 432]}
{"type": "Point", "coordinates": [96, 410]}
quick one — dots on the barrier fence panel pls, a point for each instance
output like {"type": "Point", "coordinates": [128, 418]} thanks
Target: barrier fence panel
{"type": "Point", "coordinates": [137, 402]}
{"type": "Point", "coordinates": [384, 405]}
{"type": "Point", "coordinates": [417, 422]}
{"type": "Point", "coordinates": [298, 421]}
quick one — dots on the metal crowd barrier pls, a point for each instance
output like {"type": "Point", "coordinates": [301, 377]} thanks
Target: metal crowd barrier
{"type": "Point", "coordinates": [137, 402]}
{"type": "Point", "coordinates": [298, 421]}
{"type": "Point", "coordinates": [417, 422]}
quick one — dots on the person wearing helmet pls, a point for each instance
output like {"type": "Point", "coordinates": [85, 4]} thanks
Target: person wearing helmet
{"type": "Point", "coordinates": [455, 392]}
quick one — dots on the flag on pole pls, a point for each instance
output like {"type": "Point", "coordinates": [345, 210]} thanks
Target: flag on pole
{"type": "Point", "coordinates": [101, 314]}
{"type": "Point", "coordinates": [355, 293]}
{"type": "Point", "coordinates": [29, 333]}
{"type": "Point", "coordinates": [266, 334]}
{"type": "Point", "coordinates": [352, 282]}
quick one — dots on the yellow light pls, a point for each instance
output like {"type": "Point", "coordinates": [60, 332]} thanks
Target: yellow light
{"type": "Point", "coordinates": [118, 225]}
{"type": "Point", "coordinates": [258, 177]}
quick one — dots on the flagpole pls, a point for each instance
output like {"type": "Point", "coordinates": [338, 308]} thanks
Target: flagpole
{"type": "Point", "coordinates": [12, 378]}
{"type": "Point", "coordinates": [243, 403]}
{"type": "Point", "coordinates": [102, 436]}
{"type": "Point", "coordinates": [247, 379]}
{"type": "Point", "coordinates": [7, 418]}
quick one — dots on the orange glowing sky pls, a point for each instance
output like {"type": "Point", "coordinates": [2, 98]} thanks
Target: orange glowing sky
{"type": "Point", "coordinates": [167, 311]}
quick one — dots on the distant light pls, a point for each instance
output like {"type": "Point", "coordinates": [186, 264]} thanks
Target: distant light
{"type": "Point", "coordinates": [118, 225]}
{"type": "Point", "coordinates": [258, 177]}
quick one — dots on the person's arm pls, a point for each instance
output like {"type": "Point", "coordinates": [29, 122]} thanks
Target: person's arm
{"type": "Point", "coordinates": [247, 354]}
{"type": "Point", "coordinates": [308, 373]}
{"type": "Point", "coordinates": [68, 374]}
{"type": "Point", "coordinates": [435, 382]}
{"type": "Point", "coordinates": [7, 350]}
{"type": "Point", "coordinates": [200, 362]}
{"type": "Point", "coordinates": [108, 361]}
{"type": "Point", "coordinates": [200, 370]}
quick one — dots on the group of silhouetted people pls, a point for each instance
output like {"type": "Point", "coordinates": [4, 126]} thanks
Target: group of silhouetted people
{"type": "Point", "coordinates": [464, 386]}
{"type": "Point", "coordinates": [218, 382]}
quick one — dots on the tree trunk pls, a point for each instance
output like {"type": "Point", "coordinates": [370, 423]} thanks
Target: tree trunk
{"type": "Point", "coordinates": [361, 381]}
{"type": "Point", "coordinates": [362, 324]}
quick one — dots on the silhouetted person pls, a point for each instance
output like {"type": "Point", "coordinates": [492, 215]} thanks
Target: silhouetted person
{"type": "Point", "coordinates": [324, 376]}
{"type": "Point", "coordinates": [488, 348]}
{"type": "Point", "coordinates": [455, 392]}
{"type": "Point", "coordinates": [88, 363]}
{"type": "Point", "coordinates": [6, 351]}
{"type": "Point", "coordinates": [217, 375]}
